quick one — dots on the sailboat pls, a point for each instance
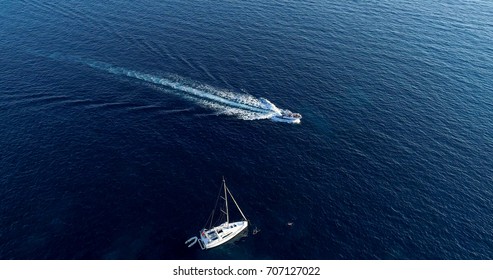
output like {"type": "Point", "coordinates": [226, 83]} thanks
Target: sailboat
{"type": "Point", "coordinates": [213, 236]}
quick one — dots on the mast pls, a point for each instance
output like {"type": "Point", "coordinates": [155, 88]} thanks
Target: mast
{"type": "Point", "coordinates": [226, 200]}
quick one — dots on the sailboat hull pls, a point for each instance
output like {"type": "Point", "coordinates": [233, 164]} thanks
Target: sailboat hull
{"type": "Point", "coordinates": [210, 238]}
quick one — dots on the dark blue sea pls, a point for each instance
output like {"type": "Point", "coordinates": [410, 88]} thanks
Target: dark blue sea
{"type": "Point", "coordinates": [118, 120]}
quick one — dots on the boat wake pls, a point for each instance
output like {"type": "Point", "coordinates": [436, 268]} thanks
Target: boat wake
{"type": "Point", "coordinates": [241, 105]}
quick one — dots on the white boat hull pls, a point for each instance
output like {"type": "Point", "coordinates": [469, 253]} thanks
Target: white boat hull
{"type": "Point", "coordinates": [210, 238]}
{"type": "Point", "coordinates": [286, 119]}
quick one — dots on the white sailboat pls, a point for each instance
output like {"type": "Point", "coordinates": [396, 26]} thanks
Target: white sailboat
{"type": "Point", "coordinates": [213, 236]}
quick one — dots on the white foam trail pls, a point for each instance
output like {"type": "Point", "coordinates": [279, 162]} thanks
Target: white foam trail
{"type": "Point", "coordinates": [241, 105]}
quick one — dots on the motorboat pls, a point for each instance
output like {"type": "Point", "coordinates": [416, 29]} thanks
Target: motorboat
{"type": "Point", "coordinates": [287, 116]}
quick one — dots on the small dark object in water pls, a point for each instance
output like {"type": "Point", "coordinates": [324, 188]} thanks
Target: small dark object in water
{"type": "Point", "coordinates": [255, 231]}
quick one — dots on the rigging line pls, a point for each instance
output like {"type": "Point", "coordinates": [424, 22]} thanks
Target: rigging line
{"type": "Point", "coordinates": [211, 217]}
{"type": "Point", "coordinates": [241, 212]}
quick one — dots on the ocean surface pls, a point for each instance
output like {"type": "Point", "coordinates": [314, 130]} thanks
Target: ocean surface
{"type": "Point", "coordinates": [118, 120]}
